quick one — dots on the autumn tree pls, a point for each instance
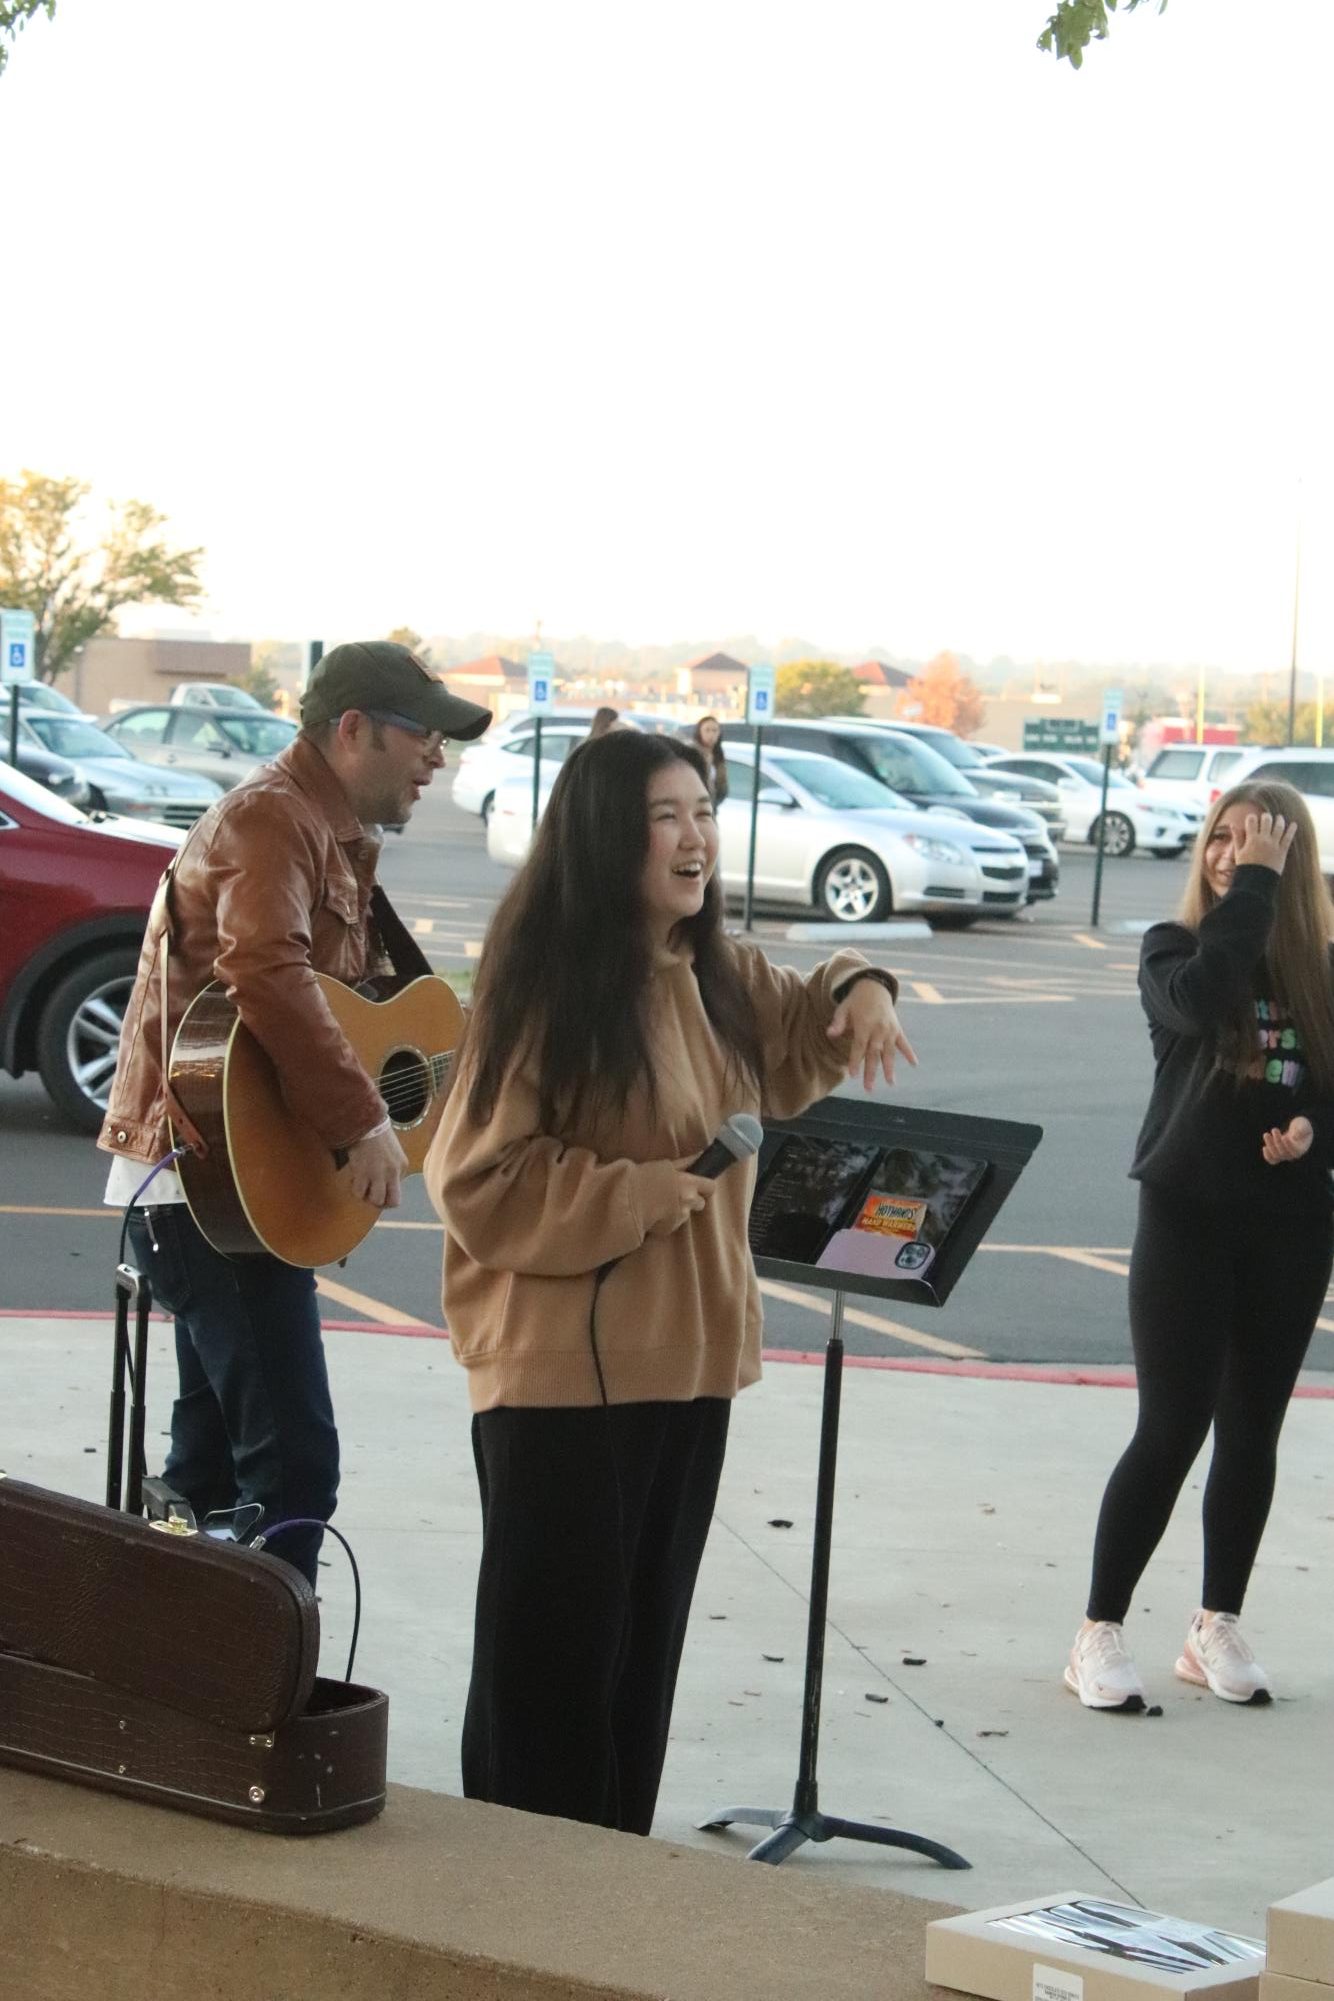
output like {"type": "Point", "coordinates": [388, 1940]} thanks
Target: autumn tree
{"type": "Point", "coordinates": [1076, 23]}
{"type": "Point", "coordinates": [943, 694]}
{"type": "Point", "coordinates": [74, 586]}
{"type": "Point", "coordinates": [1267, 723]}
{"type": "Point", "coordinates": [817, 688]}
{"type": "Point", "coordinates": [14, 14]}
{"type": "Point", "coordinates": [403, 635]}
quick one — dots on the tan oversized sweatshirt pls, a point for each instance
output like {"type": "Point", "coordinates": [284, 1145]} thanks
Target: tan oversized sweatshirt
{"type": "Point", "coordinates": [530, 1216]}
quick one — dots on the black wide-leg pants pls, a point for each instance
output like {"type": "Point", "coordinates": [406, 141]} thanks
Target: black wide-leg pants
{"type": "Point", "coordinates": [593, 1528]}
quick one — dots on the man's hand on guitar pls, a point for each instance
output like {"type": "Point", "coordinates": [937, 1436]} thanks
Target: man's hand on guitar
{"type": "Point", "coordinates": [375, 1169]}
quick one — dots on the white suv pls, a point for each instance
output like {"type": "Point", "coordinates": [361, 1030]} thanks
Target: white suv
{"type": "Point", "coordinates": [1311, 772]}
{"type": "Point", "coordinates": [1194, 773]}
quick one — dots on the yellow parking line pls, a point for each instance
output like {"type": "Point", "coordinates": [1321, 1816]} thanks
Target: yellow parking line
{"type": "Point", "coordinates": [926, 992]}
{"type": "Point", "coordinates": [819, 1302]}
{"type": "Point", "coordinates": [1094, 944]}
{"type": "Point", "coordinates": [374, 1309]}
{"type": "Point", "coordinates": [1089, 1258]}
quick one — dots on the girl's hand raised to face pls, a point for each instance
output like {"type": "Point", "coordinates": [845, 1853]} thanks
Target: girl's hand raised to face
{"type": "Point", "coordinates": [1266, 841]}
{"type": "Point", "coordinates": [867, 1013]}
{"type": "Point", "coordinates": [1279, 1145]}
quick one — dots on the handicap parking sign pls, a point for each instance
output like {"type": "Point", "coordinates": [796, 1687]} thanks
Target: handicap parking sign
{"type": "Point", "coordinates": [759, 694]}
{"type": "Point", "coordinates": [17, 637]}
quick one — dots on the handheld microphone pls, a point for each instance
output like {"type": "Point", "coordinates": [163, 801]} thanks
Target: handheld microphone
{"type": "Point", "coordinates": [738, 1139]}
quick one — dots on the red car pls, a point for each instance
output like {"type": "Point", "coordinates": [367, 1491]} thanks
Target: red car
{"type": "Point", "coordinates": [74, 898]}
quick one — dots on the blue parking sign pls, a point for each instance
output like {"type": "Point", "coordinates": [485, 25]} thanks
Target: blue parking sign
{"type": "Point", "coordinates": [18, 655]}
{"type": "Point", "coordinates": [759, 694]}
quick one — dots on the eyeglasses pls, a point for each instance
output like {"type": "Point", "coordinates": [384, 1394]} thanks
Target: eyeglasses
{"type": "Point", "coordinates": [432, 740]}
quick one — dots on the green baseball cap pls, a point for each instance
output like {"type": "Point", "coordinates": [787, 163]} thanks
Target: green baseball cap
{"type": "Point", "coordinates": [380, 677]}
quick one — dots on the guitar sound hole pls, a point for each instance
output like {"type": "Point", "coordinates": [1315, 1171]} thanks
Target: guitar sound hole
{"type": "Point", "coordinates": [405, 1086]}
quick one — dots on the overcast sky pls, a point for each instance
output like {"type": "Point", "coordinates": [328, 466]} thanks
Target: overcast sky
{"type": "Point", "coordinates": [864, 322]}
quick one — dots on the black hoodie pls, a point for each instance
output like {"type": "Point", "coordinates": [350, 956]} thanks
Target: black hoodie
{"type": "Point", "coordinates": [1201, 1137]}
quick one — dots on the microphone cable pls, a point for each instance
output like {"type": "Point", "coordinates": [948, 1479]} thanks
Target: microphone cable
{"type": "Point", "coordinates": [261, 1541]}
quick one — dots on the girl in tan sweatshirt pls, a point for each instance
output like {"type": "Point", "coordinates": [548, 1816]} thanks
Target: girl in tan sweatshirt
{"type": "Point", "coordinates": [601, 1297]}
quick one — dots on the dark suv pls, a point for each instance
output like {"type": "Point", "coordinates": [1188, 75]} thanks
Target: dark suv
{"type": "Point", "coordinates": [917, 773]}
{"type": "Point", "coordinates": [74, 900]}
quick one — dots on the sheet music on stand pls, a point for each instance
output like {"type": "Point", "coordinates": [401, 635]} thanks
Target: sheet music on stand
{"type": "Point", "coordinates": [891, 1201]}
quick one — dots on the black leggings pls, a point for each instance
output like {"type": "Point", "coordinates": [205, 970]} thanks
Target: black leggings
{"type": "Point", "coordinates": [1223, 1304]}
{"type": "Point", "coordinates": [593, 1527]}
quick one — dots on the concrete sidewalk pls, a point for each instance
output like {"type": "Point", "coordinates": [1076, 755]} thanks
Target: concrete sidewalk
{"type": "Point", "coordinates": [962, 1537]}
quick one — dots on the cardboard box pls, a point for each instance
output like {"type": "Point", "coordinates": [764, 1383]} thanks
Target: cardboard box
{"type": "Point", "coordinates": [1077, 1947]}
{"type": "Point", "coordinates": [1301, 1934]}
{"type": "Point", "coordinates": [1284, 1987]}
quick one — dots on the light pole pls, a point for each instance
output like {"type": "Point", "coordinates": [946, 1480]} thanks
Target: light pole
{"type": "Point", "coordinates": [1296, 613]}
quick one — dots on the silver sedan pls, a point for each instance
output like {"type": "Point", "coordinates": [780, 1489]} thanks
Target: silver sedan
{"type": "Point", "coordinates": [830, 836]}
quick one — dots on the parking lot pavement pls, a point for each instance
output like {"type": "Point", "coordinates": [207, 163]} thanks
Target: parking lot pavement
{"type": "Point", "coordinates": [961, 1545]}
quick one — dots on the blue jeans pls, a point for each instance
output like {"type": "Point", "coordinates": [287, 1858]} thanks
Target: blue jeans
{"type": "Point", "coordinates": [253, 1420]}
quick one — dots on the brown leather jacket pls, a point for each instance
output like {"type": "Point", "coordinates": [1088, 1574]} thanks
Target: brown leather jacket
{"type": "Point", "coordinates": [272, 885]}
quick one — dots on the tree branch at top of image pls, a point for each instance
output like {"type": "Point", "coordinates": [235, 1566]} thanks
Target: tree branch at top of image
{"type": "Point", "coordinates": [74, 585]}
{"type": "Point", "coordinates": [14, 14]}
{"type": "Point", "coordinates": [1076, 23]}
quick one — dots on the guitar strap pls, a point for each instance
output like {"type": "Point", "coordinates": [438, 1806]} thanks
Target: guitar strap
{"type": "Point", "coordinates": [404, 953]}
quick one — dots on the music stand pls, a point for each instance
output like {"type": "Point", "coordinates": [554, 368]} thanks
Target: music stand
{"type": "Point", "coordinates": [1003, 1149]}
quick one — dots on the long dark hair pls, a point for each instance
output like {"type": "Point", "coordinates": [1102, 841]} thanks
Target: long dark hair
{"type": "Point", "coordinates": [564, 973]}
{"type": "Point", "coordinates": [715, 757]}
{"type": "Point", "coordinates": [1297, 957]}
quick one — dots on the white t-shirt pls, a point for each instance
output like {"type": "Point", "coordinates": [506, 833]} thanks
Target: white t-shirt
{"type": "Point", "coordinates": [125, 1177]}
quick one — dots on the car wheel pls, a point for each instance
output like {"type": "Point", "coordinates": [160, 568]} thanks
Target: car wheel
{"type": "Point", "coordinates": [1120, 836]}
{"type": "Point", "coordinates": [79, 1035]}
{"type": "Point", "coordinates": [487, 805]}
{"type": "Point", "coordinates": [853, 887]}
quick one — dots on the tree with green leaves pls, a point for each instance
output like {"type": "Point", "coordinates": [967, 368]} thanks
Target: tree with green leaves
{"type": "Point", "coordinates": [75, 587]}
{"type": "Point", "coordinates": [817, 688]}
{"type": "Point", "coordinates": [15, 14]}
{"type": "Point", "coordinates": [1076, 23]}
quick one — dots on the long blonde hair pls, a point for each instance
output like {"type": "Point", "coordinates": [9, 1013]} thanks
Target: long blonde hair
{"type": "Point", "coordinates": [1297, 956]}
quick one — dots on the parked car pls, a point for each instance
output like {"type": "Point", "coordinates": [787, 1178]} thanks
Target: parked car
{"type": "Point", "coordinates": [74, 900]}
{"type": "Point", "coordinates": [56, 773]}
{"type": "Point", "coordinates": [214, 695]}
{"type": "Point", "coordinates": [1132, 820]}
{"type": "Point", "coordinates": [1008, 786]}
{"type": "Point", "coordinates": [1194, 773]}
{"type": "Point", "coordinates": [831, 836]}
{"type": "Point", "coordinates": [117, 782]}
{"type": "Point", "coordinates": [1310, 771]}
{"type": "Point", "coordinates": [217, 745]}
{"type": "Point", "coordinates": [919, 774]}
{"type": "Point", "coordinates": [41, 695]}
{"type": "Point", "coordinates": [491, 761]}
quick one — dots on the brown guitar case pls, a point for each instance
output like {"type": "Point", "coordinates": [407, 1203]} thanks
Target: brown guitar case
{"type": "Point", "coordinates": [175, 1669]}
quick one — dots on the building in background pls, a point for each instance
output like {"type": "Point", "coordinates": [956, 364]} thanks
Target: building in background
{"type": "Point", "coordinates": [115, 673]}
{"type": "Point", "coordinates": [716, 683]}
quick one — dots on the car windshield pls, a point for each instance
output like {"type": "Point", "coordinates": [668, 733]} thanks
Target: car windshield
{"type": "Point", "coordinates": [1089, 769]}
{"type": "Point", "coordinates": [954, 751]}
{"type": "Point", "coordinates": [258, 736]}
{"type": "Point", "coordinates": [39, 696]}
{"type": "Point", "coordinates": [833, 784]}
{"type": "Point", "coordinates": [910, 765]}
{"type": "Point", "coordinates": [67, 738]}
{"type": "Point", "coordinates": [17, 787]}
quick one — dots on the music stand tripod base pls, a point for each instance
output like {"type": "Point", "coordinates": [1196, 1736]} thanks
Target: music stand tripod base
{"type": "Point", "coordinates": [803, 1821]}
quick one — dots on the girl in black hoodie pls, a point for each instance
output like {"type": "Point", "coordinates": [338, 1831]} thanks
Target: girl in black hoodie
{"type": "Point", "coordinates": [1235, 1236]}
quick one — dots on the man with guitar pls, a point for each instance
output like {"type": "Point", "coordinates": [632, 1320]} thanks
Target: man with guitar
{"type": "Point", "coordinates": [275, 885]}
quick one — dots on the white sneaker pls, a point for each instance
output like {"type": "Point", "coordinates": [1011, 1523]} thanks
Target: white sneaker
{"type": "Point", "coordinates": [1216, 1657]}
{"type": "Point", "coordinates": [1101, 1672]}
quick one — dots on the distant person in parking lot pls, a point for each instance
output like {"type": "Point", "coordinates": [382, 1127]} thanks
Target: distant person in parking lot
{"type": "Point", "coordinates": [1235, 1238]}
{"type": "Point", "coordinates": [708, 740]}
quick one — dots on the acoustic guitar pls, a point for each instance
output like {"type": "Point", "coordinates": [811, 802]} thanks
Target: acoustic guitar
{"type": "Point", "coordinates": [267, 1182]}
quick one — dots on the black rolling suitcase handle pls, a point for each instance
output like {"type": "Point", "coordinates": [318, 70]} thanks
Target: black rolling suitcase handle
{"type": "Point", "coordinates": [130, 1285]}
